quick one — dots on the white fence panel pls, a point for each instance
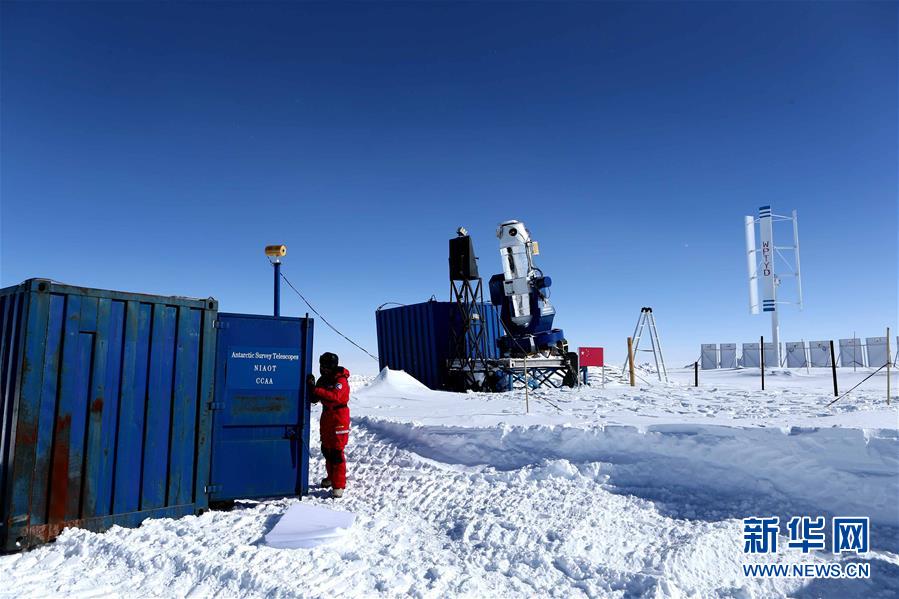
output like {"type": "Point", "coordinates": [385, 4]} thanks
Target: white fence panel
{"type": "Point", "coordinates": [851, 353]}
{"type": "Point", "coordinates": [709, 356]}
{"type": "Point", "coordinates": [727, 355]}
{"type": "Point", "coordinates": [771, 356]}
{"type": "Point", "coordinates": [796, 354]}
{"type": "Point", "coordinates": [877, 351]}
{"type": "Point", "coordinates": [819, 354]}
{"type": "Point", "coordinates": [751, 357]}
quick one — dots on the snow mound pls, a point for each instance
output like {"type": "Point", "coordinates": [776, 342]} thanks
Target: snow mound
{"type": "Point", "coordinates": [305, 526]}
{"type": "Point", "coordinates": [393, 382]}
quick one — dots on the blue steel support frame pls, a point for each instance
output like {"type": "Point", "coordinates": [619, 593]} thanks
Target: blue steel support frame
{"type": "Point", "coordinates": [542, 376]}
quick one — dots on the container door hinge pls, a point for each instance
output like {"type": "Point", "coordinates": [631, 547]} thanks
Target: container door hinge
{"type": "Point", "coordinates": [208, 489]}
{"type": "Point", "coordinates": [216, 405]}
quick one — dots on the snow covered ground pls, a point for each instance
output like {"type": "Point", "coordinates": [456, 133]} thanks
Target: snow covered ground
{"type": "Point", "coordinates": [614, 492]}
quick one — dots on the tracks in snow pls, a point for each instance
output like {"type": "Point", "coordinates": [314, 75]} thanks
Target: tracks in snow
{"type": "Point", "coordinates": [431, 522]}
{"type": "Point", "coordinates": [704, 471]}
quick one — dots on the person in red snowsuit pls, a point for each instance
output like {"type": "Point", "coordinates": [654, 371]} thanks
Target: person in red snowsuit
{"type": "Point", "coordinates": [333, 391]}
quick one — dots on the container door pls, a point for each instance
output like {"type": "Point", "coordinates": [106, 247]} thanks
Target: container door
{"type": "Point", "coordinates": [260, 413]}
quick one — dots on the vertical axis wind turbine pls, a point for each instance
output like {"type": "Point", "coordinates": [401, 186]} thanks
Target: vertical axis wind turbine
{"type": "Point", "coordinates": [761, 261]}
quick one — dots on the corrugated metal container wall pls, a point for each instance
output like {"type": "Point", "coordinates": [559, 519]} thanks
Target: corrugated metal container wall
{"type": "Point", "coordinates": [105, 414]}
{"type": "Point", "coordinates": [494, 329]}
{"type": "Point", "coordinates": [416, 338]}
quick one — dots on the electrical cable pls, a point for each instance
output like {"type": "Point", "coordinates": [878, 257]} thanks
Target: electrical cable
{"type": "Point", "coordinates": [549, 402]}
{"type": "Point", "coordinates": [641, 378]}
{"type": "Point", "coordinates": [372, 356]}
{"type": "Point", "coordinates": [388, 304]}
{"type": "Point", "coordinates": [325, 320]}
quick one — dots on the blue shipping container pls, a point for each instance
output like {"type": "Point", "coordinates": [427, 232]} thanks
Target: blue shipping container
{"type": "Point", "coordinates": [417, 338]}
{"type": "Point", "coordinates": [260, 437]}
{"type": "Point", "coordinates": [104, 408]}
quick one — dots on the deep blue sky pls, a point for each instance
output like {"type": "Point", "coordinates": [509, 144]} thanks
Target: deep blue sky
{"type": "Point", "coordinates": [158, 147]}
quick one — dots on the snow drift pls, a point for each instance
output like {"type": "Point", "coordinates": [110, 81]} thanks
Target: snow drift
{"type": "Point", "coordinates": [394, 383]}
{"type": "Point", "coordinates": [827, 468]}
{"type": "Point", "coordinates": [305, 526]}
{"type": "Point", "coordinates": [831, 470]}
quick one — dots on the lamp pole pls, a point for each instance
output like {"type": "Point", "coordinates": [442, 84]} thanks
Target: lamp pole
{"type": "Point", "coordinates": [277, 307]}
{"type": "Point", "coordinates": [275, 253]}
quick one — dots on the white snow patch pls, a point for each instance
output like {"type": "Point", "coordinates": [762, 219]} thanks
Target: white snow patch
{"type": "Point", "coordinates": [306, 526]}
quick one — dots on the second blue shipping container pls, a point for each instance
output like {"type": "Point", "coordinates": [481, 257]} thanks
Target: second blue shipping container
{"type": "Point", "coordinates": [418, 338]}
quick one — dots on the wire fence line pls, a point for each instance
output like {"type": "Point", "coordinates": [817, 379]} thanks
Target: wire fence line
{"type": "Point", "coordinates": [857, 385]}
{"type": "Point", "coordinates": [856, 352]}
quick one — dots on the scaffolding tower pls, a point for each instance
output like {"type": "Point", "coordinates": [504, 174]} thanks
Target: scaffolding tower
{"type": "Point", "coordinates": [467, 367]}
{"type": "Point", "coordinates": [648, 321]}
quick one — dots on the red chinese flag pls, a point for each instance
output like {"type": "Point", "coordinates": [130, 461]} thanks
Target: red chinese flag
{"type": "Point", "coordinates": [590, 356]}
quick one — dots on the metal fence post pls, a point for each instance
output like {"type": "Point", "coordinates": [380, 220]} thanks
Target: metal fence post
{"type": "Point", "coordinates": [630, 359]}
{"type": "Point", "coordinates": [833, 368]}
{"type": "Point", "coordinates": [762, 360]}
{"type": "Point", "coordinates": [888, 365]}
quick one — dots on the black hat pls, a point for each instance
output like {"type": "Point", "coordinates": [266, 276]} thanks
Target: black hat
{"type": "Point", "coordinates": [328, 360]}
